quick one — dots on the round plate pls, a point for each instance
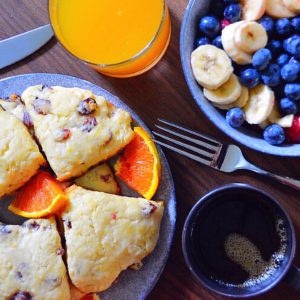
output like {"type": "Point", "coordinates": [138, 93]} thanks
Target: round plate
{"type": "Point", "coordinates": [133, 285]}
{"type": "Point", "coordinates": [244, 135]}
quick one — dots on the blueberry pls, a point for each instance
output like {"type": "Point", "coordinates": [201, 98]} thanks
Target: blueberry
{"type": "Point", "coordinates": [233, 12]}
{"type": "Point", "coordinates": [283, 26]}
{"type": "Point", "coordinates": [296, 24]}
{"type": "Point", "coordinates": [271, 76]}
{"type": "Point", "coordinates": [292, 90]}
{"type": "Point", "coordinates": [282, 59]}
{"type": "Point", "coordinates": [261, 59]}
{"type": "Point", "coordinates": [288, 106]}
{"type": "Point", "coordinates": [201, 41]}
{"type": "Point", "coordinates": [274, 134]}
{"type": "Point", "coordinates": [235, 117]}
{"type": "Point", "coordinates": [268, 24]}
{"type": "Point", "coordinates": [275, 47]}
{"type": "Point", "coordinates": [292, 46]}
{"type": "Point", "coordinates": [209, 26]}
{"type": "Point", "coordinates": [250, 78]}
{"type": "Point", "coordinates": [293, 60]}
{"type": "Point", "coordinates": [218, 42]}
{"type": "Point", "coordinates": [290, 72]}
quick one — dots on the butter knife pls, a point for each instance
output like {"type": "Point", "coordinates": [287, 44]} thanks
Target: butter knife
{"type": "Point", "coordinates": [20, 46]}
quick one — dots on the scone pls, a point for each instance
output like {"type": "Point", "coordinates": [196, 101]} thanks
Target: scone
{"type": "Point", "coordinates": [20, 157]}
{"type": "Point", "coordinates": [105, 234]}
{"type": "Point", "coordinates": [75, 128]}
{"type": "Point", "coordinates": [99, 178]}
{"type": "Point", "coordinates": [31, 264]}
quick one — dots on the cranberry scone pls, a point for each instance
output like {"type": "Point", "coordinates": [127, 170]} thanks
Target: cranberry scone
{"type": "Point", "coordinates": [31, 264]}
{"type": "Point", "coordinates": [76, 128]}
{"type": "Point", "coordinates": [105, 234]}
{"type": "Point", "coordinates": [20, 157]}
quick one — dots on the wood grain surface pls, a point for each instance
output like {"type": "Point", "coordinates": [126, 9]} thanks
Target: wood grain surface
{"type": "Point", "coordinates": [160, 93]}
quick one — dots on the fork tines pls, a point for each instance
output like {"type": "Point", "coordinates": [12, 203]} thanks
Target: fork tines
{"type": "Point", "coordinates": [202, 148]}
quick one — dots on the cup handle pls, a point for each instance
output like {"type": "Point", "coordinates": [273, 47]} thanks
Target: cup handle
{"type": "Point", "coordinates": [293, 277]}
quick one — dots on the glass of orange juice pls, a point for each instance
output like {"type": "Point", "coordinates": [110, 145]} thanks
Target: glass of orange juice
{"type": "Point", "coordinates": [118, 38]}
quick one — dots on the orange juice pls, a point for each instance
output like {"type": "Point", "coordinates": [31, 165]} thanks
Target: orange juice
{"type": "Point", "coordinates": [119, 38]}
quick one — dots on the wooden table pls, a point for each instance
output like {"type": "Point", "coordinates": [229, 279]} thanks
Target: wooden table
{"type": "Point", "coordinates": [162, 92]}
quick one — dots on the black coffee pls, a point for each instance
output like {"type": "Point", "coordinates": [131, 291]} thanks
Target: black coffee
{"type": "Point", "coordinates": [238, 239]}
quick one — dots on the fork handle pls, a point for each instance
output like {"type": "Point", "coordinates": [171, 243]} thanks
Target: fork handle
{"type": "Point", "coordinates": [294, 183]}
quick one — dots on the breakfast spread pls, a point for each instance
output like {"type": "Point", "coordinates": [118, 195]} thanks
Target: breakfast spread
{"type": "Point", "coordinates": [75, 128]}
{"type": "Point", "coordinates": [105, 233]}
{"type": "Point", "coordinates": [31, 264]}
{"type": "Point", "coordinates": [247, 59]}
{"type": "Point", "coordinates": [20, 155]}
{"type": "Point", "coordinates": [70, 160]}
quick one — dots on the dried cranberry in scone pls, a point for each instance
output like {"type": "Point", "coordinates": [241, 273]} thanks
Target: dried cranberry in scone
{"type": "Point", "coordinates": [26, 118]}
{"type": "Point", "coordinates": [21, 296]}
{"type": "Point", "coordinates": [87, 106]}
{"type": "Point", "coordinates": [61, 135]}
{"type": "Point", "coordinates": [148, 209]}
{"type": "Point", "coordinates": [42, 106]}
{"type": "Point", "coordinates": [88, 124]}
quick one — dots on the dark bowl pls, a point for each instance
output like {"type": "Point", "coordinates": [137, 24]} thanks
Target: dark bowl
{"type": "Point", "coordinates": [247, 135]}
{"type": "Point", "coordinates": [222, 289]}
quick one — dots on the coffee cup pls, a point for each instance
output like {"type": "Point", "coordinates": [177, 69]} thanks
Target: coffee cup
{"type": "Point", "coordinates": [238, 241]}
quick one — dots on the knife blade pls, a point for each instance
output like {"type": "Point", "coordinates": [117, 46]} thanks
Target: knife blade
{"type": "Point", "coordinates": [18, 47]}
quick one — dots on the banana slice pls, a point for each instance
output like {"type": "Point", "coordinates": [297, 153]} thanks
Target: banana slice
{"type": "Point", "coordinates": [275, 118]}
{"type": "Point", "coordinates": [292, 5]}
{"type": "Point", "coordinates": [272, 118]}
{"type": "Point", "coordinates": [229, 45]}
{"type": "Point", "coordinates": [250, 36]}
{"type": "Point", "coordinates": [211, 66]}
{"type": "Point", "coordinates": [260, 104]}
{"type": "Point", "coordinates": [240, 102]}
{"type": "Point", "coordinates": [286, 121]}
{"type": "Point", "coordinates": [229, 92]}
{"type": "Point", "coordinates": [274, 115]}
{"type": "Point", "coordinates": [277, 9]}
{"type": "Point", "coordinates": [253, 9]}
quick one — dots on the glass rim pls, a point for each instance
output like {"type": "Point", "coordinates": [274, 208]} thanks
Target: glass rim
{"type": "Point", "coordinates": [137, 55]}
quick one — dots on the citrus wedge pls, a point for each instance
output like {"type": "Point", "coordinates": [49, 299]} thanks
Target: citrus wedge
{"type": "Point", "coordinates": [41, 196]}
{"type": "Point", "coordinates": [139, 165]}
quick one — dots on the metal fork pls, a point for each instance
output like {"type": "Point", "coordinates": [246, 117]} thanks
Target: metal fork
{"type": "Point", "coordinates": [210, 152]}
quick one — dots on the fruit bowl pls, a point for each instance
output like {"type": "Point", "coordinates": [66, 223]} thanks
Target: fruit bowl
{"type": "Point", "coordinates": [246, 135]}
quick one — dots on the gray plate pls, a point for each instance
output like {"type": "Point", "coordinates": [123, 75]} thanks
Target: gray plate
{"type": "Point", "coordinates": [244, 135]}
{"type": "Point", "coordinates": [131, 285]}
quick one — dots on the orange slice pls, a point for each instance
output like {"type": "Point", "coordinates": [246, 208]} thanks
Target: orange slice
{"type": "Point", "coordinates": [41, 196]}
{"type": "Point", "coordinates": [139, 165]}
